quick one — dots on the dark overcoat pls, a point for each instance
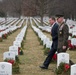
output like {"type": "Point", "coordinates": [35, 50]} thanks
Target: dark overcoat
{"type": "Point", "coordinates": [63, 34]}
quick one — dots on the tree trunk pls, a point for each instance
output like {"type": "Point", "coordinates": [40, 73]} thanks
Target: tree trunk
{"type": "Point", "coordinates": [42, 20]}
{"type": "Point", "coordinates": [5, 20]}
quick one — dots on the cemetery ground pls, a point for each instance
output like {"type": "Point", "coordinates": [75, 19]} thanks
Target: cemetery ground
{"type": "Point", "coordinates": [33, 53]}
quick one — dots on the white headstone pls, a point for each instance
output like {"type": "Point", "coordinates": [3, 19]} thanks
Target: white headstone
{"type": "Point", "coordinates": [48, 44]}
{"type": "Point", "coordinates": [5, 68]}
{"type": "Point", "coordinates": [17, 43]}
{"type": "Point", "coordinates": [9, 55]}
{"type": "Point", "coordinates": [19, 39]}
{"type": "Point", "coordinates": [62, 57]}
{"type": "Point", "coordinates": [13, 49]}
{"type": "Point", "coordinates": [0, 35]}
{"type": "Point", "coordinates": [73, 69]}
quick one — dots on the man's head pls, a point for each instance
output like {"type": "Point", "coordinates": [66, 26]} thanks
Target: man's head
{"type": "Point", "coordinates": [52, 20]}
{"type": "Point", "coordinates": [60, 18]}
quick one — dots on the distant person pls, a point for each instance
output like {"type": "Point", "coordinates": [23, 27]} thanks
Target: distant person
{"type": "Point", "coordinates": [63, 34]}
{"type": "Point", "coordinates": [54, 34]}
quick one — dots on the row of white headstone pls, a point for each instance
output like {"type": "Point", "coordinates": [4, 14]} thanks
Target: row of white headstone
{"type": "Point", "coordinates": [3, 21]}
{"type": "Point", "coordinates": [13, 51]}
{"type": "Point", "coordinates": [10, 28]}
{"type": "Point", "coordinates": [72, 31]}
{"type": "Point", "coordinates": [8, 21]}
{"type": "Point", "coordinates": [5, 26]}
{"type": "Point", "coordinates": [68, 22]}
{"type": "Point", "coordinates": [73, 41]}
{"type": "Point", "coordinates": [44, 38]}
{"type": "Point", "coordinates": [45, 20]}
{"type": "Point", "coordinates": [61, 57]}
{"type": "Point", "coordinates": [44, 28]}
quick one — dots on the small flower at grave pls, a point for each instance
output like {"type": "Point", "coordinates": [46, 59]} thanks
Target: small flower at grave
{"type": "Point", "coordinates": [70, 34]}
{"type": "Point", "coordinates": [11, 61]}
{"type": "Point", "coordinates": [66, 67]}
{"type": "Point", "coordinates": [21, 51]}
{"type": "Point", "coordinates": [71, 27]}
{"type": "Point", "coordinates": [70, 46]}
{"type": "Point", "coordinates": [54, 57]}
{"type": "Point", "coordinates": [4, 36]}
{"type": "Point", "coordinates": [18, 50]}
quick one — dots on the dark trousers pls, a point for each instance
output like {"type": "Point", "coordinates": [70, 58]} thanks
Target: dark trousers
{"type": "Point", "coordinates": [49, 57]}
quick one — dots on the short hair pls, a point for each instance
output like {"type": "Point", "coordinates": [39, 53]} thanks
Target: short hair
{"type": "Point", "coordinates": [53, 18]}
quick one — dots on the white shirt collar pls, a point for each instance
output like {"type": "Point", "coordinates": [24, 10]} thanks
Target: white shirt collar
{"type": "Point", "coordinates": [53, 24]}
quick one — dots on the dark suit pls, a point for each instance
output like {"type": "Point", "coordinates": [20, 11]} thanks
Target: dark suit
{"type": "Point", "coordinates": [54, 34]}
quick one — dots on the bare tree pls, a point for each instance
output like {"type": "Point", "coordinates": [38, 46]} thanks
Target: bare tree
{"type": "Point", "coordinates": [28, 7]}
{"type": "Point", "coordinates": [38, 8]}
{"type": "Point", "coordinates": [62, 6]}
{"type": "Point", "coordinates": [41, 8]}
{"type": "Point", "coordinates": [16, 6]}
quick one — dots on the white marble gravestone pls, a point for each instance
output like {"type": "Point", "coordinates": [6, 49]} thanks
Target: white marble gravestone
{"type": "Point", "coordinates": [62, 57]}
{"type": "Point", "coordinates": [5, 68]}
{"type": "Point", "coordinates": [13, 49]}
{"type": "Point", "coordinates": [19, 39]}
{"type": "Point", "coordinates": [17, 43]}
{"type": "Point", "coordinates": [9, 55]}
{"type": "Point", "coordinates": [73, 70]}
{"type": "Point", "coordinates": [0, 35]}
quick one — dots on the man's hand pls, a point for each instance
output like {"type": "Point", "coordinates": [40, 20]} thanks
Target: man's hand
{"type": "Point", "coordinates": [64, 47]}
